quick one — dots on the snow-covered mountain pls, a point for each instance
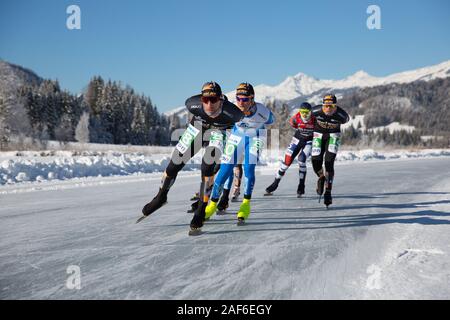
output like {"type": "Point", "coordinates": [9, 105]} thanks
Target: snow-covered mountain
{"type": "Point", "coordinates": [304, 85]}
{"type": "Point", "coordinates": [13, 76]}
{"type": "Point", "coordinates": [301, 87]}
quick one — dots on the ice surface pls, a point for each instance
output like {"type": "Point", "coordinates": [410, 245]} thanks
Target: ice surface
{"type": "Point", "coordinates": [386, 236]}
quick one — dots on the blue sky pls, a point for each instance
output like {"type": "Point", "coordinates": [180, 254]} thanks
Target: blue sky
{"type": "Point", "coordinates": [168, 49]}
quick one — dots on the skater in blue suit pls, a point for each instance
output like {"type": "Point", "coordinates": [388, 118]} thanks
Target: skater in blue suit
{"type": "Point", "coordinates": [245, 142]}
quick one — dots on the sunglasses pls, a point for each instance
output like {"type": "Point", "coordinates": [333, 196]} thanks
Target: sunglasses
{"type": "Point", "coordinates": [210, 99]}
{"type": "Point", "coordinates": [305, 112]}
{"type": "Point", "coordinates": [242, 99]}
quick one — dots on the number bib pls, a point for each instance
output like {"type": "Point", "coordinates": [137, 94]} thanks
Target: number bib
{"type": "Point", "coordinates": [334, 142]}
{"type": "Point", "coordinates": [216, 140]}
{"type": "Point", "coordinates": [186, 139]}
{"type": "Point", "coordinates": [256, 146]}
{"type": "Point", "coordinates": [230, 147]}
{"type": "Point", "coordinates": [317, 144]}
{"type": "Point", "coordinates": [292, 146]}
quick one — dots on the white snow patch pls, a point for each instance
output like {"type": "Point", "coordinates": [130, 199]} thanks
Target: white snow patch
{"type": "Point", "coordinates": [374, 280]}
{"type": "Point", "coordinates": [355, 122]}
{"type": "Point", "coordinates": [394, 126]}
{"type": "Point", "coordinates": [62, 165]}
{"type": "Point", "coordinates": [31, 166]}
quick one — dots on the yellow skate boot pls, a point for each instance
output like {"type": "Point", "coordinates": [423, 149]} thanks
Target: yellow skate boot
{"type": "Point", "coordinates": [210, 209]}
{"type": "Point", "coordinates": [244, 212]}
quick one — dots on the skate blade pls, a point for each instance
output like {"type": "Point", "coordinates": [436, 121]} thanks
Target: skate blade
{"type": "Point", "coordinates": [195, 232]}
{"type": "Point", "coordinates": [234, 200]}
{"type": "Point", "coordinates": [268, 194]}
{"type": "Point", "coordinates": [141, 218]}
{"type": "Point", "coordinates": [144, 216]}
{"type": "Point", "coordinates": [240, 223]}
{"type": "Point", "coordinates": [299, 195]}
{"type": "Point", "coordinates": [221, 212]}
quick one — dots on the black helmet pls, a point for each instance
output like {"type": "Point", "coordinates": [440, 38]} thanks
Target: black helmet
{"type": "Point", "coordinates": [211, 89]}
{"type": "Point", "coordinates": [305, 105]}
{"type": "Point", "coordinates": [329, 99]}
{"type": "Point", "coordinates": [245, 89]}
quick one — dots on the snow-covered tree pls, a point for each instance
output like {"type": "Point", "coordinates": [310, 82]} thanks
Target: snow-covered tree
{"type": "Point", "coordinates": [82, 129]}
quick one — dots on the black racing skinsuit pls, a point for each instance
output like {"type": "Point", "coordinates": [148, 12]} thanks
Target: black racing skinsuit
{"type": "Point", "coordinates": [327, 124]}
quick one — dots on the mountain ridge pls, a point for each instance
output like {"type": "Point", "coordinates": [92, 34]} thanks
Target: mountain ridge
{"type": "Point", "coordinates": [302, 87]}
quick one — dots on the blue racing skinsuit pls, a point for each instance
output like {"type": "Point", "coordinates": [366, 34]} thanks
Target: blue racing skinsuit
{"type": "Point", "coordinates": [246, 141]}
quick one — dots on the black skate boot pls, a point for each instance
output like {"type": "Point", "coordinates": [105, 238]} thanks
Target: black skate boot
{"type": "Point", "coordinates": [158, 201]}
{"type": "Point", "coordinates": [223, 203]}
{"type": "Point", "coordinates": [197, 221]}
{"type": "Point", "coordinates": [320, 185]}
{"type": "Point", "coordinates": [327, 199]}
{"type": "Point", "coordinates": [270, 189]}
{"type": "Point", "coordinates": [194, 206]}
{"type": "Point", "coordinates": [301, 189]}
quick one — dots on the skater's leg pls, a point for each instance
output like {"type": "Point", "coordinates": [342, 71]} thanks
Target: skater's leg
{"type": "Point", "coordinates": [206, 186]}
{"type": "Point", "coordinates": [229, 183]}
{"type": "Point", "coordinates": [199, 214]}
{"type": "Point", "coordinates": [317, 162]}
{"type": "Point", "coordinates": [228, 167]}
{"type": "Point", "coordinates": [329, 169]}
{"type": "Point", "coordinates": [250, 161]}
{"type": "Point", "coordinates": [330, 157]}
{"type": "Point", "coordinates": [317, 166]}
{"type": "Point", "coordinates": [225, 173]}
{"type": "Point", "coordinates": [237, 173]}
{"type": "Point", "coordinates": [176, 163]}
{"type": "Point", "coordinates": [303, 156]}
{"type": "Point", "coordinates": [226, 170]}
{"type": "Point", "coordinates": [317, 155]}
{"type": "Point", "coordinates": [249, 180]}
{"type": "Point", "coordinates": [225, 196]}
{"type": "Point", "coordinates": [289, 155]}
{"type": "Point", "coordinates": [329, 177]}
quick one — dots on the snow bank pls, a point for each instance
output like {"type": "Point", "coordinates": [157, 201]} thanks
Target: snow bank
{"type": "Point", "coordinates": [369, 154]}
{"type": "Point", "coordinates": [40, 166]}
{"type": "Point", "coordinates": [19, 167]}
{"type": "Point", "coordinates": [394, 126]}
